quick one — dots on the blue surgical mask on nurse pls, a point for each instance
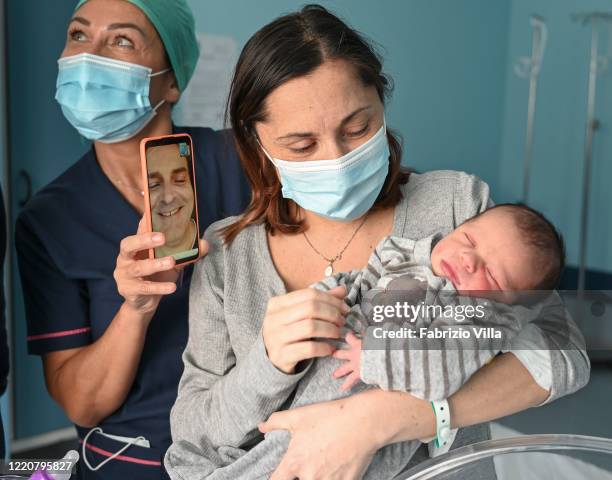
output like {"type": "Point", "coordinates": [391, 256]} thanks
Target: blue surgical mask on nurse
{"type": "Point", "coordinates": [104, 99]}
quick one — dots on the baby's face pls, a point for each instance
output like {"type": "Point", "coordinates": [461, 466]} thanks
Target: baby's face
{"type": "Point", "coordinates": [486, 256]}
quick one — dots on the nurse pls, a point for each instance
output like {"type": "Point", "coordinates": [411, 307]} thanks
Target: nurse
{"type": "Point", "coordinates": [109, 324]}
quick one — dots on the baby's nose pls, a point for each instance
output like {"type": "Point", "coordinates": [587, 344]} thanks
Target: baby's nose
{"type": "Point", "coordinates": [469, 262]}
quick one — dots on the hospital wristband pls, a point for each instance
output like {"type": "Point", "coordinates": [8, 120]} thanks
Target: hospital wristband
{"type": "Point", "coordinates": [443, 427]}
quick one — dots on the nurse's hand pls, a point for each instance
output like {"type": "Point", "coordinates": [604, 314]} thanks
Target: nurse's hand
{"type": "Point", "coordinates": [142, 281]}
{"type": "Point", "coordinates": [293, 320]}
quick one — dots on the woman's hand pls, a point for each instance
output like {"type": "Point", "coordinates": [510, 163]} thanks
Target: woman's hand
{"type": "Point", "coordinates": [142, 281]}
{"type": "Point", "coordinates": [292, 321]}
{"type": "Point", "coordinates": [329, 441]}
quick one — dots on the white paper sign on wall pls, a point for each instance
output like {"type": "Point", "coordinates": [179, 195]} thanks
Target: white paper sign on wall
{"type": "Point", "coordinates": [202, 104]}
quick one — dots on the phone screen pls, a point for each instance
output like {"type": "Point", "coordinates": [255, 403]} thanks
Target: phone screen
{"type": "Point", "coordinates": [172, 196]}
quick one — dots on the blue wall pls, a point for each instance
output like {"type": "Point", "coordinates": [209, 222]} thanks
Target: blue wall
{"type": "Point", "coordinates": [42, 144]}
{"type": "Point", "coordinates": [447, 59]}
{"type": "Point", "coordinates": [560, 126]}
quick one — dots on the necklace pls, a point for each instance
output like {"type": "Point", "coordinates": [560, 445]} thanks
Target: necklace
{"type": "Point", "coordinates": [329, 270]}
{"type": "Point", "coordinates": [129, 186]}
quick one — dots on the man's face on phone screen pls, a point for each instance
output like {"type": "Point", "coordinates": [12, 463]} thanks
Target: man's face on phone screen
{"type": "Point", "coordinates": [171, 194]}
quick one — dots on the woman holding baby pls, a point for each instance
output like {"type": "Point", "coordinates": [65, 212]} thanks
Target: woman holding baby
{"type": "Point", "coordinates": [307, 108]}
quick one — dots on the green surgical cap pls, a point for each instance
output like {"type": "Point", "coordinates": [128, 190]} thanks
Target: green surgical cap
{"type": "Point", "coordinates": [176, 27]}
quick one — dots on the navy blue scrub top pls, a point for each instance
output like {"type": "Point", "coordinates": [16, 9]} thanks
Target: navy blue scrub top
{"type": "Point", "coordinates": [67, 240]}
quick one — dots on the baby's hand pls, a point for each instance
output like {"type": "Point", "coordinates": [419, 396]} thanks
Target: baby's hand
{"type": "Point", "coordinates": [352, 366]}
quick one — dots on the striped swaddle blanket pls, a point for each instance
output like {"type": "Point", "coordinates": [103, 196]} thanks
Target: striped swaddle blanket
{"type": "Point", "coordinates": [432, 364]}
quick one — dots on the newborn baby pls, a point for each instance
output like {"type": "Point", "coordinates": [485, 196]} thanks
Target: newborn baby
{"type": "Point", "coordinates": [500, 254]}
{"type": "Point", "coordinates": [483, 264]}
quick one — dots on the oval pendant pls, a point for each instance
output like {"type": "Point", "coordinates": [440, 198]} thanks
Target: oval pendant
{"type": "Point", "coordinates": [329, 270]}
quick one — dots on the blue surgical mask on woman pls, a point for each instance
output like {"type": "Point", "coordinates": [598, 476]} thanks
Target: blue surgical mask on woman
{"type": "Point", "coordinates": [340, 189]}
{"type": "Point", "coordinates": [105, 99]}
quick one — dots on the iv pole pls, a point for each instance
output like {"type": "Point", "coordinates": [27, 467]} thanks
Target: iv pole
{"type": "Point", "coordinates": [591, 125]}
{"type": "Point", "coordinates": [530, 67]}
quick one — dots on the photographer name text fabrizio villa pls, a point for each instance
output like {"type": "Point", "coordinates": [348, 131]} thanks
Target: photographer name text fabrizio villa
{"type": "Point", "coordinates": [479, 333]}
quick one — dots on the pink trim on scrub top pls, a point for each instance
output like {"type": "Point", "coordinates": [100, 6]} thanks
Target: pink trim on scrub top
{"type": "Point", "coordinates": [64, 333]}
{"type": "Point", "coordinates": [123, 458]}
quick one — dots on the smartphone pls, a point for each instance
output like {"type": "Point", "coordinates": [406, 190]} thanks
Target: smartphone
{"type": "Point", "coordinates": [171, 205]}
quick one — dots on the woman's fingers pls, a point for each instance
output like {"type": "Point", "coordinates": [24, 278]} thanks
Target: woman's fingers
{"type": "Point", "coordinates": [289, 300]}
{"type": "Point", "coordinates": [285, 354]}
{"type": "Point", "coordinates": [309, 328]}
{"type": "Point", "coordinates": [311, 309]}
{"type": "Point", "coordinates": [302, 315]}
{"type": "Point", "coordinates": [278, 421]}
{"type": "Point", "coordinates": [338, 292]}
{"type": "Point", "coordinates": [138, 288]}
{"type": "Point", "coordinates": [134, 272]}
{"type": "Point", "coordinates": [327, 442]}
{"type": "Point", "coordinates": [156, 288]}
{"type": "Point", "coordinates": [204, 246]}
{"type": "Point", "coordinates": [130, 246]}
{"type": "Point", "coordinates": [283, 471]}
{"type": "Point", "coordinates": [145, 268]}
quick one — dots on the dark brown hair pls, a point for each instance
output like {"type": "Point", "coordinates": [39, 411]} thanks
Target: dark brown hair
{"type": "Point", "coordinates": [541, 235]}
{"type": "Point", "coordinates": [289, 47]}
